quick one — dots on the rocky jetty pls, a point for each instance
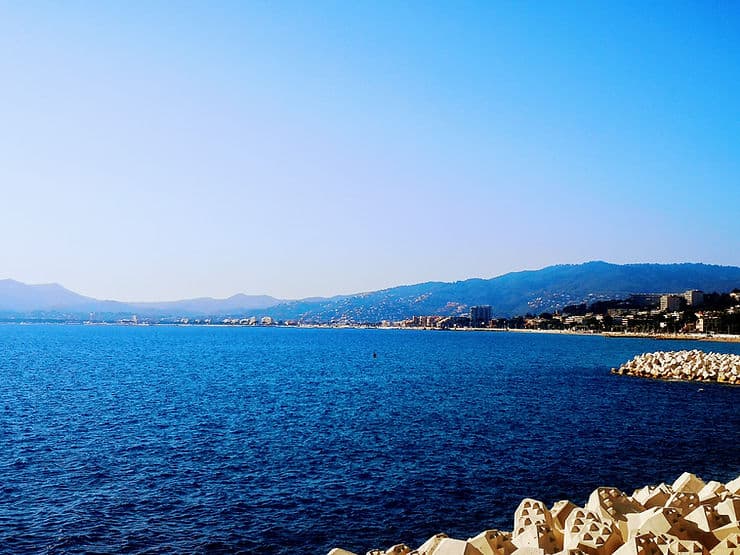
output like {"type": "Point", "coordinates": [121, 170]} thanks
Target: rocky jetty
{"type": "Point", "coordinates": [684, 365]}
{"type": "Point", "coordinates": [689, 517]}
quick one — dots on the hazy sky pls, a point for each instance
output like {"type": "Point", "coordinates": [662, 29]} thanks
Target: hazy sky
{"type": "Point", "coordinates": [168, 150]}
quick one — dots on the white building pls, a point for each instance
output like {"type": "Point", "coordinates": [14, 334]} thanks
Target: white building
{"type": "Point", "coordinates": [670, 303]}
{"type": "Point", "coordinates": [694, 297]}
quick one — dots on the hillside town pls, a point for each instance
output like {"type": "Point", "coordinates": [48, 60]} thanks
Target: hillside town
{"type": "Point", "coordinates": [690, 312]}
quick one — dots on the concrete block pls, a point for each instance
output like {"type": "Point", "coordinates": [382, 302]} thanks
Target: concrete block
{"type": "Point", "coordinates": [652, 496]}
{"type": "Point", "coordinates": [683, 502]}
{"type": "Point", "coordinates": [644, 544]}
{"type": "Point", "coordinates": [712, 491]}
{"type": "Point", "coordinates": [540, 535]}
{"type": "Point", "coordinates": [733, 486]}
{"type": "Point", "coordinates": [707, 518]}
{"type": "Point", "coordinates": [428, 547]}
{"type": "Point", "coordinates": [559, 513]}
{"type": "Point", "coordinates": [586, 531]}
{"type": "Point", "coordinates": [493, 542]}
{"type": "Point", "coordinates": [729, 506]}
{"type": "Point", "coordinates": [530, 512]}
{"type": "Point", "coordinates": [529, 551]}
{"type": "Point", "coordinates": [726, 531]}
{"type": "Point", "coordinates": [728, 546]}
{"type": "Point", "coordinates": [688, 483]}
{"type": "Point", "coordinates": [448, 546]}
{"type": "Point", "coordinates": [686, 547]}
{"type": "Point", "coordinates": [613, 505]}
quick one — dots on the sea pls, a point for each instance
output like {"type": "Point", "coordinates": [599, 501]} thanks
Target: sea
{"type": "Point", "coordinates": [165, 439]}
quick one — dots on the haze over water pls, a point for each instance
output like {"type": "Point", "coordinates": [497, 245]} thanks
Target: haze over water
{"type": "Point", "coordinates": [172, 440]}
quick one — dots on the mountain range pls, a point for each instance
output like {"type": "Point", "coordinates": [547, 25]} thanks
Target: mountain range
{"type": "Point", "coordinates": [514, 293]}
{"type": "Point", "coordinates": [48, 300]}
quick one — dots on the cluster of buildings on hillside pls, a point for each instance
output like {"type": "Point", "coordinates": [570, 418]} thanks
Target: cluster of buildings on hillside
{"type": "Point", "coordinates": [690, 312]}
{"type": "Point", "coordinates": [251, 321]}
{"type": "Point", "coordinates": [478, 317]}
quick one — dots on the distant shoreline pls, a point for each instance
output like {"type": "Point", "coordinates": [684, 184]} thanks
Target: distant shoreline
{"type": "Point", "coordinates": [713, 338]}
{"type": "Point", "coordinates": [717, 338]}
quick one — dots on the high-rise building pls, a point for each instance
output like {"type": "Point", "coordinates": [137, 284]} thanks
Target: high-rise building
{"type": "Point", "coordinates": [694, 297]}
{"type": "Point", "coordinates": [480, 316]}
{"type": "Point", "coordinates": [670, 303]}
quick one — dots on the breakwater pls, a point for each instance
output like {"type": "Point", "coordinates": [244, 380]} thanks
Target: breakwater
{"type": "Point", "coordinates": [692, 365]}
{"type": "Point", "coordinates": [689, 517]}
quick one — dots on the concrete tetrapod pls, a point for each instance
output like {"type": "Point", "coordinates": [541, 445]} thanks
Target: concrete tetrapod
{"type": "Point", "coordinates": [689, 517]}
{"type": "Point", "coordinates": [493, 542]}
{"type": "Point", "coordinates": [684, 365]}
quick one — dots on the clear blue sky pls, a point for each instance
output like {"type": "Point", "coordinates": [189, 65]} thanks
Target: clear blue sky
{"type": "Point", "coordinates": [163, 150]}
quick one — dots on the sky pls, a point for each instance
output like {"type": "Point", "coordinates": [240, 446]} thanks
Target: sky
{"type": "Point", "coordinates": [166, 150]}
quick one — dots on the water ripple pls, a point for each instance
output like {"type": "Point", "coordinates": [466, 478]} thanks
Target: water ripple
{"type": "Point", "coordinates": [216, 440]}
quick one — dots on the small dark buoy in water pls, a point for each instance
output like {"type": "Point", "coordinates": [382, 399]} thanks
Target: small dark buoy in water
{"type": "Point", "coordinates": [375, 355]}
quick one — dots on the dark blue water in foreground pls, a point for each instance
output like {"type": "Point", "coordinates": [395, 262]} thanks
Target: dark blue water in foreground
{"type": "Point", "coordinates": [222, 440]}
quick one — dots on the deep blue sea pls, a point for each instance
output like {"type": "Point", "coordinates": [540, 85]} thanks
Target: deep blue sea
{"type": "Point", "coordinates": [266, 440]}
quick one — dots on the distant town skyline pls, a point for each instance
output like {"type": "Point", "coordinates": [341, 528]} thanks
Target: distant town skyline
{"type": "Point", "coordinates": [152, 151]}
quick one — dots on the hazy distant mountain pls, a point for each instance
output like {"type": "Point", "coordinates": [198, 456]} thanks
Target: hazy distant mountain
{"type": "Point", "coordinates": [517, 293]}
{"type": "Point", "coordinates": [53, 299]}
{"type": "Point", "coordinates": [49, 297]}
{"type": "Point", "coordinates": [237, 304]}
{"type": "Point", "coordinates": [511, 294]}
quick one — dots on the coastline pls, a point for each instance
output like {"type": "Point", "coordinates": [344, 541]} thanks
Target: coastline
{"type": "Point", "coordinates": [712, 338]}
{"type": "Point", "coordinates": [717, 338]}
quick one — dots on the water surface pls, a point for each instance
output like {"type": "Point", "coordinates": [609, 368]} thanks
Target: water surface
{"type": "Point", "coordinates": [267, 440]}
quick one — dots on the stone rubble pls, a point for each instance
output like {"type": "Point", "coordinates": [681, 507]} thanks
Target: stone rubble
{"type": "Point", "coordinates": [684, 365]}
{"type": "Point", "coordinates": [689, 517]}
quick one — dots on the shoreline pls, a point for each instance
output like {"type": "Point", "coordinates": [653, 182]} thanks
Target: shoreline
{"type": "Point", "coordinates": [718, 338]}
{"type": "Point", "coordinates": [712, 338]}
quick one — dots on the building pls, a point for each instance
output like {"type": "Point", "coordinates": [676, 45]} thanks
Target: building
{"type": "Point", "coordinates": [670, 303]}
{"type": "Point", "coordinates": [480, 316]}
{"type": "Point", "coordinates": [706, 324]}
{"type": "Point", "coordinates": [450, 322]}
{"type": "Point", "coordinates": [694, 297]}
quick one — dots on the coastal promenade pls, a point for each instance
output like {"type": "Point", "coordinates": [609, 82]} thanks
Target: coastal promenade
{"type": "Point", "coordinates": [688, 517]}
{"type": "Point", "coordinates": [718, 338]}
{"type": "Point", "coordinates": [714, 337]}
